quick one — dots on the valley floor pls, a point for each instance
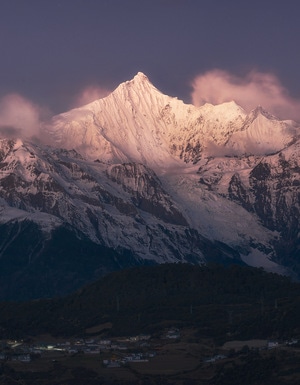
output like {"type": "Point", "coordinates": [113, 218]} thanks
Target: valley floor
{"type": "Point", "coordinates": [171, 356]}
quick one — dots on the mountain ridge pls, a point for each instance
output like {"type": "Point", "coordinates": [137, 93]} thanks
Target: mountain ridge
{"type": "Point", "coordinates": [136, 116]}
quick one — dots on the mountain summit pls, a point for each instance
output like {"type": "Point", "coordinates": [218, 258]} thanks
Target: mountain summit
{"type": "Point", "coordinates": [137, 123]}
{"type": "Point", "coordinates": [139, 177]}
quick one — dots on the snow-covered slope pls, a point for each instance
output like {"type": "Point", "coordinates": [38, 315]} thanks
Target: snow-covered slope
{"type": "Point", "coordinates": [262, 133]}
{"type": "Point", "coordinates": [141, 177]}
{"type": "Point", "coordinates": [121, 214]}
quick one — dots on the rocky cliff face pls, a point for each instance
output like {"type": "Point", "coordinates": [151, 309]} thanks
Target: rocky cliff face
{"type": "Point", "coordinates": [146, 191]}
{"type": "Point", "coordinates": [273, 194]}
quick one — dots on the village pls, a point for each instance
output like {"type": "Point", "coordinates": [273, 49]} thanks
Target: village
{"type": "Point", "coordinates": [118, 352]}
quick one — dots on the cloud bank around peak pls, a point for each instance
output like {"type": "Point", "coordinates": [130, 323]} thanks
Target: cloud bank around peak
{"type": "Point", "coordinates": [256, 88]}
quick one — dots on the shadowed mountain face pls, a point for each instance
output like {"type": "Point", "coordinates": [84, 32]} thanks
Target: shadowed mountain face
{"type": "Point", "coordinates": [141, 178]}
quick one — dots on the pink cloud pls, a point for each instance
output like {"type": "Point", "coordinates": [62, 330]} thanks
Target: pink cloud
{"type": "Point", "coordinates": [256, 88]}
{"type": "Point", "coordinates": [89, 94]}
{"type": "Point", "coordinates": [20, 115]}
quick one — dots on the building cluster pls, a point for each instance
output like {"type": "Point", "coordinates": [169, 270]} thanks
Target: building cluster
{"type": "Point", "coordinates": [12, 350]}
{"type": "Point", "coordinates": [117, 352]}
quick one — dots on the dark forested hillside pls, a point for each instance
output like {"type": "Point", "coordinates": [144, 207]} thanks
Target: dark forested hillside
{"type": "Point", "coordinates": [217, 300]}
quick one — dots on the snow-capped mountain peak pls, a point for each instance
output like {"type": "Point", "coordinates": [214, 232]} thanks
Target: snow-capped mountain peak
{"type": "Point", "coordinates": [137, 122]}
{"type": "Point", "coordinates": [141, 177]}
{"type": "Point", "coordinates": [136, 88]}
{"type": "Point", "coordinates": [140, 77]}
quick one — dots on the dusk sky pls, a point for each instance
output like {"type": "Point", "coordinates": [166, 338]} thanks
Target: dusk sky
{"type": "Point", "coordinates": [58, 54]}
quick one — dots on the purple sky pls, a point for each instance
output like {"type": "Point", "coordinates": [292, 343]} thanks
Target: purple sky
{"type": "Point", "coordinates": [51, 50]}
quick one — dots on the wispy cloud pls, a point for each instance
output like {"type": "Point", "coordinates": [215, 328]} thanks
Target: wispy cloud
{"type": "Point", "coordinates": [20, 117]}
{"type": "Point", "coordinates": [89, 94]}
{"type": "Point", "coordinates": [256, 88]}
